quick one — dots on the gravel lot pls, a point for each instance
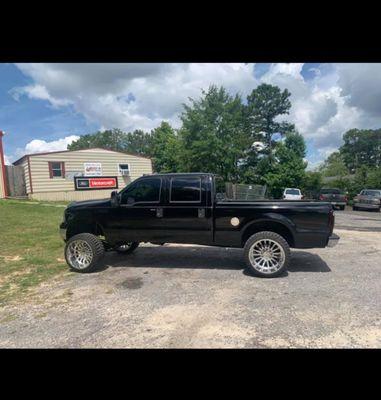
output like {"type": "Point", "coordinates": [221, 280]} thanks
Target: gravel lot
{"type": "Point", "coordinates": [195, 296]}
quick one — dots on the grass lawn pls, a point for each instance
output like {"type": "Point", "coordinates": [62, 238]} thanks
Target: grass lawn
{"type": "Point", "coordinates": [31, 250]}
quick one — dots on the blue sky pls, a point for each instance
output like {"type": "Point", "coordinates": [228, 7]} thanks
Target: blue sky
{"type": "Point", "coordinates": [44, 107]}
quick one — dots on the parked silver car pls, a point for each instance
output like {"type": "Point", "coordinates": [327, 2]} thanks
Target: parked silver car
{"type": "Point", "coordinates": [368, 199]}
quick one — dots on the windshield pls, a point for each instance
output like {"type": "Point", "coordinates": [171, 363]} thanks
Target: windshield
{"type": "Point", "coordinates": [330, 191]}
{"type": "Point", "coordinates": [293, 191]}
{"type": "Point", "coordinates": [373, 193]}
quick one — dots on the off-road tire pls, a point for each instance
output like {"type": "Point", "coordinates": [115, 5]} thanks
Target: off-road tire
{"type": "Point", "coordinates": [97, 250]}
{"type": "Point", "coordinates": [129, 250]}
{"type": "Point", "coordinates": [274, 237]}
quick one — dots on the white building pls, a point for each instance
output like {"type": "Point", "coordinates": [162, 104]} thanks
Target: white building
{"type": "Point", "coordinates": [56, 176]}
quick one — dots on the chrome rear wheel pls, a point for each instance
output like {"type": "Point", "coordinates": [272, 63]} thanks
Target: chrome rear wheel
{"type": "Point", "coordinates": [127, 247]}
{"type": "Point", "coordinates": [267, 256]}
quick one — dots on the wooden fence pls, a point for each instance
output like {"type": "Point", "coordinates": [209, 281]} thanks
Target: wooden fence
{"type": "Point", "coordinates": [15, 181]}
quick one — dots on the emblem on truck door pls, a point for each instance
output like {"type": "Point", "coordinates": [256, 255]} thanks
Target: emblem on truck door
{"type": "Point", "coordinates": [234, 221]}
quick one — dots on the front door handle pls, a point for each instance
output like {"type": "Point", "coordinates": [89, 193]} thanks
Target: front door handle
{"type": "Point", "coordinates": [201, 212]}
{"type": "Point", "coordinates": [159, 213]}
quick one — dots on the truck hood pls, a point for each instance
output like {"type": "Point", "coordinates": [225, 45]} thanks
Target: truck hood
{"type": "Point", "coordinates": [90, 203]}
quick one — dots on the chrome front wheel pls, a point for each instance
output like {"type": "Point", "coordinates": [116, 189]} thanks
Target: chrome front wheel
{"type": "Point", "coordinates": [83, 252]}
{"type": "Point", "coordinates": [79, 254]}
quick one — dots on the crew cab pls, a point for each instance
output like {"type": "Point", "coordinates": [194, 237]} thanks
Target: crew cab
{"type": "Point", "coordinates": [194, 208]}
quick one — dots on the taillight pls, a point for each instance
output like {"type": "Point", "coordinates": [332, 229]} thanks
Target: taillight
{"type": "Point", "coordinates": [321, 197]}
{"type": "Point", "coordinates": [346, 199]}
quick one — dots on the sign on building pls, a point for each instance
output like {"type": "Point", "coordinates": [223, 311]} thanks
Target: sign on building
{"type": "Point", "coordinates": [93, 169]}
{"type": "Point", "coordinates": [105, 182]}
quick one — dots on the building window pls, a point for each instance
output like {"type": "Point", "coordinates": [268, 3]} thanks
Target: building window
{"type": "Point", "coordinates": [124, 169]}
{"type": "Point", "coordinates": [56, 169]}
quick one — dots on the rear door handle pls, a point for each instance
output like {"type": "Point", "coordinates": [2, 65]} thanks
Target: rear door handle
{"type": "Point", "coordinates": [159, 213]}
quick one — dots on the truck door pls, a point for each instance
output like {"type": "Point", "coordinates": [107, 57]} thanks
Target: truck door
{"type": "Point", "coordinates": [139, 216]}
{"type": "Point", "coordinates": [187, 213]}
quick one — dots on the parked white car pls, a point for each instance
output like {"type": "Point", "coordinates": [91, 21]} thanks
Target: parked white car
{"type": "Point", "coordinates": [292, 194]}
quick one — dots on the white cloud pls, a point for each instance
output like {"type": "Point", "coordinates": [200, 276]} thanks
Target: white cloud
{"type": "Point", "coordinates": [361, 84]}
{"type": "Point", "coordinates": [101, 91]}
{"type": "Point", "coordinates": [38, 92]}
{"type": "Point", "coordinates": [331, 103]}
{"type": "Point", "coordinates": [7, 160]}
{"type": "Point", "coordinates": [40, 146]}
{"type": "Point", "coordinates": [139, 96]}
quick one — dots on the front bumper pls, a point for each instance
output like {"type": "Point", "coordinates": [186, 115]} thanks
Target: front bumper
{"type": "Point", "coordinates": [367, 205]}
{"type": "Point", "coordinates": [333, 240]}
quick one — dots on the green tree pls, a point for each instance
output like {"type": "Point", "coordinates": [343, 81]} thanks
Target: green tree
{"type": "Point", "coordinates": [373, 179]}
{"type": "Point", "coordinates": [288, 168]}
{"type": "Point", "coordinates": [165, 149]}
{"type": "Point", "coordinates": [138, 142]}
{"type": "Point", "coordinates": [213, 135]}
{"type": "Point", "coordinates": [334, 165]}
{"type": "Point", "coordinates": [264, 106]}
{"type": "Point", "coordinates": [361, 147]}
{"type": "Point", "coordinates": [109, 139]}
{"type": "Point", "coordinates": [312, 183]}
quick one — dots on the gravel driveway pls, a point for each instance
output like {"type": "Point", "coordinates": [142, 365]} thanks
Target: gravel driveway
{"type": "Point", "coordinates": [196, 296]}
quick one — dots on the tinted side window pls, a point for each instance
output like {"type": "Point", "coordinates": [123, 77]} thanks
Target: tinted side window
{"type": "Point", "coordinates": [146, 190]}
{"type": "Point", "coordinates": [185, 190]}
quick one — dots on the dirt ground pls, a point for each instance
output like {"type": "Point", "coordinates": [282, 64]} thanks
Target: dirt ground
{"type": "Point", "coordinates": [185, 296]}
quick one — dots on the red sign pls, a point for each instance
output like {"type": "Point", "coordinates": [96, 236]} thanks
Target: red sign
{"type": "Point", "coordinates": [87, 183]}
{"type": "Point", "coordinates": [102, 182]}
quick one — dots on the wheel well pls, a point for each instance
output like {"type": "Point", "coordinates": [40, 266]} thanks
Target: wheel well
{"type": "Point", "coordinates": [271, 226]}
{"type": "Point", "coordinates": [94, 228]}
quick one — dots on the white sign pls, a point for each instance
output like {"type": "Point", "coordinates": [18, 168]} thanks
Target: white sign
{"type": "Point", "coordinates": [70, 175]}
{"type": "Point", "coordinates": [93, 169]}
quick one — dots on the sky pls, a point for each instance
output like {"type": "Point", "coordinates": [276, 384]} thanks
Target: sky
{"type": "Point", "coordinates": [44, 107]}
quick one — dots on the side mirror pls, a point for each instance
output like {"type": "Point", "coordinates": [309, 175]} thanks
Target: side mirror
{"type": "Point", "coordinates": [114, 199]}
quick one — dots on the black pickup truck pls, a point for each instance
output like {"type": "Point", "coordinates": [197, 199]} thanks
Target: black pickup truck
{"type": "Point", "coordinates": [193, 208]}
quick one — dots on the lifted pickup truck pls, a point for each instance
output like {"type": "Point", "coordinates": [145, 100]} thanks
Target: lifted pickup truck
{"type": "Point", "coordinates": [193, 208]}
